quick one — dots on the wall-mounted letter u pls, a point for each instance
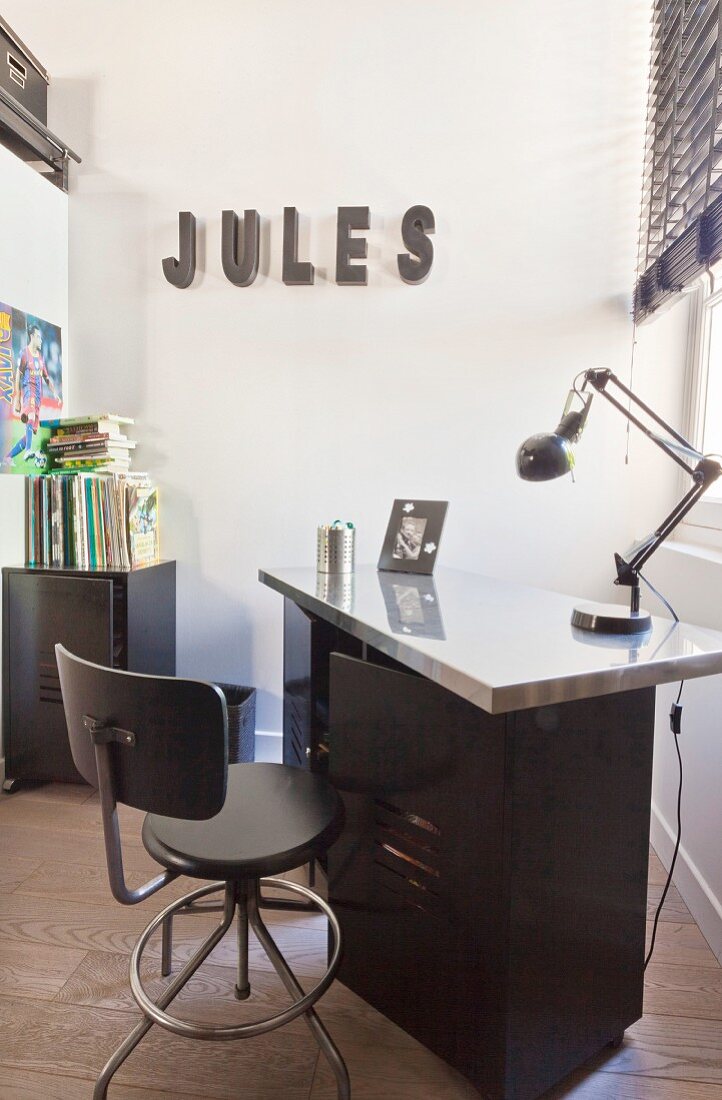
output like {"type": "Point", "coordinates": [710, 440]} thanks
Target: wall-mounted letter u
{"type": "Point", "coordinates": [180, 272]}
{"type": "Point", "coordinates": [240, 271]}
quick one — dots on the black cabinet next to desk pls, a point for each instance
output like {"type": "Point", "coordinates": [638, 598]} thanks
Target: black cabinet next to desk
{"type": "Point", "coordinates": [124, 620]}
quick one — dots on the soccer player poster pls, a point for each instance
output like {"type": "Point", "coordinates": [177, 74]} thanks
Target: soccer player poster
{"type": "Point", "coordinates": [31, 387]}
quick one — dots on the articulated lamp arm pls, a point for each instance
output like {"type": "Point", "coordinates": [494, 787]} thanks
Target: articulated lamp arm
{"type": "Point", "coordinates": [703, 471]}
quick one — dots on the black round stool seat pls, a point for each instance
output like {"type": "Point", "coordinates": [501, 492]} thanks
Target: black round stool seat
{"type": "Point", "coordinates": [274, 818]}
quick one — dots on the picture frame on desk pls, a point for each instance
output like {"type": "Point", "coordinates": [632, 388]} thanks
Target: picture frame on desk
{"type": "Point", "coordinates": [413, 536]}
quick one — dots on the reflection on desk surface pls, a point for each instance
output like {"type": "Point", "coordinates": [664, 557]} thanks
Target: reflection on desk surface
{"type": "Point", "coordinates": [412, 605]}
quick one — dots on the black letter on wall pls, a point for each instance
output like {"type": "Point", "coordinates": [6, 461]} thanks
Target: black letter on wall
{"type": "Point", "coordinates": [295, 273]}
{"type": "Point", "coordinates": [180, 272]}
{"type": "Point", "coordinates": [240, 272]}
{"type": "Point", "coordinates": [418, 221]}
{"type": "Point", "coordinates": [348, 248]}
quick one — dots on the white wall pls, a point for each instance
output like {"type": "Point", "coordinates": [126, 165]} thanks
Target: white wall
{"type": "Point", "coordinates": [690, 578]}
{"type": "Point", "coordinates": [265, 411]}
{"type": "Point", "coordinates": [34, 278]}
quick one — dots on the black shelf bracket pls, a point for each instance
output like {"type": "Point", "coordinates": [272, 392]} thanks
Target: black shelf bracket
{"type": "Point", "coordinates": [30, 140]}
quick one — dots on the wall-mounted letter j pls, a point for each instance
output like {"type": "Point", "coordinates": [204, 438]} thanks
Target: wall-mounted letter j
{"type": "Point", "coordinates": [180, 272]}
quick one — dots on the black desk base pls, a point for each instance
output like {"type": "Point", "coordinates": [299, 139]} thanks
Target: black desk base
{"type": "Point", "coordinates": [491, 879]}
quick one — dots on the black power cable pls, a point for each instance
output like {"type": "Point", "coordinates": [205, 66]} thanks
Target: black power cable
{"type": "Point", "coordinates": [675, 723]}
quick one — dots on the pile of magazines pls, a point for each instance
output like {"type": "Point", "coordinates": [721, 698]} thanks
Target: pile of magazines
{"type": "Point", "coordinates": [91, 521]}
{"type": "Point", "coordinates": [88, 511]}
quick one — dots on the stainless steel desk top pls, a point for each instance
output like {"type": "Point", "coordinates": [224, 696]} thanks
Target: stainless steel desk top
{"type": "Point", "coordinates": [500, 645]}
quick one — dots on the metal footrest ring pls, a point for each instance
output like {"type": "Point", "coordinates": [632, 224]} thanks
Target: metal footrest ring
{"type": "Point", "coordinates": [258, 1027]}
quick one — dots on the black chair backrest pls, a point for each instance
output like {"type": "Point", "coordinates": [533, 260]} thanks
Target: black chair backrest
{"type": "Point", "coordinates": [178, 765]}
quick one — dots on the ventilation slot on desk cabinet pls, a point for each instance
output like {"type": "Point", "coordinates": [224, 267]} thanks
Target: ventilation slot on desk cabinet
{"type": "Point", "coordinates": [297, 745]}
{"type": "Point", "coordinates": [406, 855]}
{"type": "Point", "coordinates": [48, 679]}
{"type": "Point", "coordinates": [120, 632]}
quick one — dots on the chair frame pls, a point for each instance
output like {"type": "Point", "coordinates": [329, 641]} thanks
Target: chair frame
{"type": "Point", "coordinates": [243, 900]}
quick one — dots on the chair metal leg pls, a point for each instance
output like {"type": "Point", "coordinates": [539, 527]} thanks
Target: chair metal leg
{"type": "Point", "coordinates": [317, 1029]}
{"type": "Point", "coordinates": [129, 1044]}
{"type": "Point", "coordinates": [243, 986]}
{"type": "Point", "coordinates": [166, 958]}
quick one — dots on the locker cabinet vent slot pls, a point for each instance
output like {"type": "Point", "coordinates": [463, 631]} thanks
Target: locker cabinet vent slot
{"type": "Point", "coordinates": [297, 744]}
{"type": "Point", "coordinates": [407, 858]}
{"type": "Point", "coordinates": [411, 818]}
{"type": "Point", "coordinates": [49, 680]}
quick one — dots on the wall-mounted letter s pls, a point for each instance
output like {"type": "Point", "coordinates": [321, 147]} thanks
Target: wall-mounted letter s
{"type": "Point", "coordinates": [240, 272]}
{"type": "Point", "coordinates": [418, 221]}
{"type": "Point", "coordinates": [180, 272]}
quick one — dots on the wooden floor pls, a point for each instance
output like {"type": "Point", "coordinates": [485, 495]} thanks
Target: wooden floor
{"type": "Point", "coordinates": [64, 1002]}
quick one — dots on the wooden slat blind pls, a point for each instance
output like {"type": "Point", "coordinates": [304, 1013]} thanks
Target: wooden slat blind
{"type": "Point", "coordinates": [681, 225]}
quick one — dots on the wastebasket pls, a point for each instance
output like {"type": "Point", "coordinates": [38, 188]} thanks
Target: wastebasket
{"type": "Point", "coordinates": [241, 707]}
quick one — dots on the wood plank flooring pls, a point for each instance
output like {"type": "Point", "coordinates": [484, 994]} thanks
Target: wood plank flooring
{"type": "Point", "coordinates": [65, 1003]}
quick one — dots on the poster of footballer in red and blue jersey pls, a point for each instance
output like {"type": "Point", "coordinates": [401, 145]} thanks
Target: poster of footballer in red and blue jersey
{"type": "Point", "coordinates": [31, 387]}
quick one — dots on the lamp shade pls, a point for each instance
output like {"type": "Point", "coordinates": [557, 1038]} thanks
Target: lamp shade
{"type": "Point", "coordinates": [544, 456]}
{"type": "Point", "coordinates": [548, 455]}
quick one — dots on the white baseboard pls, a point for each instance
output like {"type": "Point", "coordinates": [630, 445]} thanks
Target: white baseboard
{"type": "Point", "coordinates": [696, 892]}
{"type": "Point", "coordinates": [269, 746]}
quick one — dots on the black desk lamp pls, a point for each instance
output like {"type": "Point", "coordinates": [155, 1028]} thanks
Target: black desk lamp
{"type": "Point", "coordinates": [546, 456]}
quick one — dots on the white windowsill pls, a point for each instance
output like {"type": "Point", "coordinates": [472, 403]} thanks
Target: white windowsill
{"type": "Point", "coordinates": [699, 542]}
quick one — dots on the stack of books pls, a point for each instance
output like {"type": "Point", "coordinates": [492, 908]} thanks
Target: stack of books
{"type": "Point", "coordinates": [88, 443]}
{"type": "Point", "coordinates": [88, 511]}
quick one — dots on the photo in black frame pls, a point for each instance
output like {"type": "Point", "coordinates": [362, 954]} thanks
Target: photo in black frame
{"type": "Point", "coordinates": [413, 536]}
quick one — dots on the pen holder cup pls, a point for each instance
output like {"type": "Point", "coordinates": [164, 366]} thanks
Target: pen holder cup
{"type": "Point", "coordinates": [335, 549]}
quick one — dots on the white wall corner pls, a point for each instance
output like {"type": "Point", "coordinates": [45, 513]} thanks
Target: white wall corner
{"type": "Point", "coordinates": [697, 894]}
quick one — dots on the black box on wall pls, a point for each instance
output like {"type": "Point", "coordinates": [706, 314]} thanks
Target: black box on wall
{"type": "Point", "coordinates": [21, 74]}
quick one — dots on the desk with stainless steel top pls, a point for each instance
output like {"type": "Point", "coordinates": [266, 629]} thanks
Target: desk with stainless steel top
{"type": "Point", "coordinates": [496, 769]}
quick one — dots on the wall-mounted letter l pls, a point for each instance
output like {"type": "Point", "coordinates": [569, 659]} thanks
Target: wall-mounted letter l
{"type": "Point", "coordinates": [295, 272]}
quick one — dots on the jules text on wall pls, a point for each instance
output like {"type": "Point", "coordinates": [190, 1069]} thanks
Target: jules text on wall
{"type": "Point", "coordinates": [240, 246]}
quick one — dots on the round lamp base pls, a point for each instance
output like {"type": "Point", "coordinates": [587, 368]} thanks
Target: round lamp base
{"type": "Point", "coordinates": [610, 618]}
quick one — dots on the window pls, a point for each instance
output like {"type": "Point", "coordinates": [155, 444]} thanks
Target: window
{"type": "Point", "coordinates": [681, 226]}
{"type": "Point", "coordinates": [704, 426]}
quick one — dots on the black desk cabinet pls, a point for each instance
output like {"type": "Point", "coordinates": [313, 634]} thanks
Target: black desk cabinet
{"type": "Point", "coordinates": [125, 620]}
{"type": "Point", "coordinates": [491, 876]}
{"type": "Point", "coordinates": [492, 870]}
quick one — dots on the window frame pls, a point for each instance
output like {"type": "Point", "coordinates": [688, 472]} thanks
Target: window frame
{"type": "Point", "coordinates": [703, 525]}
